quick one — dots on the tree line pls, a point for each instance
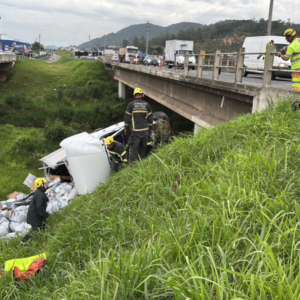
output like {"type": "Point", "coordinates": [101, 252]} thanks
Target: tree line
{"type": "Point", "coordinates": [228, 35]}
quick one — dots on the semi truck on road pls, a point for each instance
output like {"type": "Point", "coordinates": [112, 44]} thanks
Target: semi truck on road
{"type": "Point", "coordinates": [175, 51]}
{"type": "Point", "coordinates": [128, 54]}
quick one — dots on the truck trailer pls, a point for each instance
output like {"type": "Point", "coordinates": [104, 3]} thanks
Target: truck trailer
{"type": "Point", "coordinates": [175, 51]}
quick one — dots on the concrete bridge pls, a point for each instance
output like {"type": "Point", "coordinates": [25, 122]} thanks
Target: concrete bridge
{"type": "Point", "coordinates": [206, 102]}
{"type": "Point", "coordinates": [7, 61]}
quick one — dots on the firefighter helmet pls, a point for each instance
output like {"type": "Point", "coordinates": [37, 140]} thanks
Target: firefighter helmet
{"type": "Point", "coordinates": [109, 140]}
{"type": "Point", "coordinates": [137, 91]}
{"type": "Point", "coordinates": [39, 181]}
{"type": "Point", "coordinates": [290, 32]}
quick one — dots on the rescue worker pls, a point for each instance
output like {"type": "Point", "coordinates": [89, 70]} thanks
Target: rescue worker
{"type": "Point", "coordinates": [138, 119]}
{"type": "Point", "coordinates": [290, 36]}
{"type": "Point", "coordinates": [265, 51]}
{"type": "Point", "coordinates": [117, 153]}
{"type": "Point", "coordinates": [37, 214]}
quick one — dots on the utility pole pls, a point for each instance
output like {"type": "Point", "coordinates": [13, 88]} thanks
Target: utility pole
{"type": "Point", "coordinates": [122, 37]}
{"type": "Point", "coordinates": [147, 36]}
{"type": "Point", "coordinates": [270, 17]}
{"type": "Point", "coordinates": [104, 42]}
{"type": "Point", "coordinates": [89, 42]}
{"type": "Point", "coordinates": [39, 44]}
{"type": "Point", "coordinates": [1, 40]}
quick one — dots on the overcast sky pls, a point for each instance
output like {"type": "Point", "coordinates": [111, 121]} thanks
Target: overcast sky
{"type": "Point", "coordinates": [65, 22]}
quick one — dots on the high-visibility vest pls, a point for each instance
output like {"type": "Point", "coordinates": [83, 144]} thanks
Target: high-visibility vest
{"type": "Point", "coordinates": [295, 58]}
{"type": "Point", "coordinates": [22, 263]}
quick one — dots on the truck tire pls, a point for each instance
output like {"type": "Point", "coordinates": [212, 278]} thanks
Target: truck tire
{"type": "Point", "coordinates": [273, 76]}
{"type": "Point", "coordinates": [245, 73]}
{"type": "Point", "coordinates": [170, 66]}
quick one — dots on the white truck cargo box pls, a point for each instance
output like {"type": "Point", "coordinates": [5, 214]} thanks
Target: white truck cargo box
{"type": "Point", "coordinates": [178, 48]}
{"type": "Point", "coordinates": [88, 161]}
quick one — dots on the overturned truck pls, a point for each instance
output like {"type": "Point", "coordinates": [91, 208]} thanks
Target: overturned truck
{"type": "Point", "coordinates": [84, 158]}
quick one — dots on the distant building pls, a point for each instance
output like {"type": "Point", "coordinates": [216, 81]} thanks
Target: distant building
{"type": "Point", "coordinates": [12, 45]}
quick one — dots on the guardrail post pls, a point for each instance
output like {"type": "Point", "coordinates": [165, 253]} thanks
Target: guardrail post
{"type": "Point", "coordinates": [239, 66]}
{"type": "Point", "coordinates": [186, 63]}
{"type": "Point", "coordinates": [216, 65]}
{"type": "Point", "coordinates": [200, 64]}
{"type": "Point", "coordinates": [269, 59]}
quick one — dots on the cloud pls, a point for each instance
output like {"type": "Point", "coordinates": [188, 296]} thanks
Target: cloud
{"type": "Point", "coordinates": [65, 22]}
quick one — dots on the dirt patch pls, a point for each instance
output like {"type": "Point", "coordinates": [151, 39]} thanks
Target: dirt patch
{"type": "Point", "coordinates": [3, 77]}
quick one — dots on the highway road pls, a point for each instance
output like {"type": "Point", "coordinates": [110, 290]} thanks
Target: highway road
{"type": "Point", "coordinates": [251, 79]}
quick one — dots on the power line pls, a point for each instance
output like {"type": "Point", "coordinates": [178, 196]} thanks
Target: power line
{"type": "Point", "coordinates": [221, 11]}
{"type": "Point", "coordinates": [214, 9]}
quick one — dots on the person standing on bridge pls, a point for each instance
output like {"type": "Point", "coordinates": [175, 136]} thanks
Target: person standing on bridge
{"type": "Point", "coordinates": [265, 51]}
{"type": "Point", "coordinates": [290, 36]}
{"type": "Point", "coordinates": [139, 119]}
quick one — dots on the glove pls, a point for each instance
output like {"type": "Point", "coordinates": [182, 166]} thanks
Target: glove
{"type": "Point", "coordinates": [126, 131]}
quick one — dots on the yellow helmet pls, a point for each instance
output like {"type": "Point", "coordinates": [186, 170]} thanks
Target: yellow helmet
{"type": "Point", "coordinates": [109, 140]}
{"type": "Point", "coordinates": [290, 32]}
{"type": "Point", "coordinates": [137, 91]}
{"type": "Point", "coordinates": [39, 181]}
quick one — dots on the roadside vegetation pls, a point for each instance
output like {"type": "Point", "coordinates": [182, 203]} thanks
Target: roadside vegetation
{"type": "Point", "coordinates": [229, 229]}
{"type": "Point", "coordinates": [78, 93]}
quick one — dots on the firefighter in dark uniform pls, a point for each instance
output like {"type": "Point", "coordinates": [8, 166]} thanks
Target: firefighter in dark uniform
{"type": "Point", "coordinates": [139, 119]}
{"type": "Point", "coordinates": [37, 214]}
{"type": "Point", "coordinates": [117, 153]}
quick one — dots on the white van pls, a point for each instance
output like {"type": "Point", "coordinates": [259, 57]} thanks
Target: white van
{"type": "Point", "coordinates": [259, 44]}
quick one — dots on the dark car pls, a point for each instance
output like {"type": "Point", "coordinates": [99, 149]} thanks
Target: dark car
{"type": "Point", "coordinates": [151, 60]}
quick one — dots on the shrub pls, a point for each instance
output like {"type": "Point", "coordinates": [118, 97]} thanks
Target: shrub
{"type": "Point", "coordinates": [65, 113]}
{"type": "Point", "coordinates": [81, 127]}
{"type": "Point", "coordinates": [56, 131]}
{"type": "Point", "coordinates": [15, 99]}
{"type": "Point", "coordinates": [28, 142]}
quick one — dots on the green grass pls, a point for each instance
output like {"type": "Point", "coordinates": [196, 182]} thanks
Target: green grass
{"type": "Point", "coordinates": [78, 92]}
{"type": "Point", "coordinates": [231, 230]}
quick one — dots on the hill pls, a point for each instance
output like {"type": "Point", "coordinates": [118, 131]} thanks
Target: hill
{"type": "Point", "coordinates": [226, 35]}
{"type": "Point", "coordinates": [227, 228]}
{"type": "Point", "coordinates": [138, 30]}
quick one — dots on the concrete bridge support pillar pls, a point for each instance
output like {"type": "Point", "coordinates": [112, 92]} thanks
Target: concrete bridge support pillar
{"type": "Point", "coordinates": [6, 66]}
{"type": "Point", "coordinates": [197, 128]}
{"type": "Point", "coordinates": [122, 90]}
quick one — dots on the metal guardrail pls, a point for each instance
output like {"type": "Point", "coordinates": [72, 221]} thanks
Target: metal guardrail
{"type": "Point", "coordinates": [238, 65]}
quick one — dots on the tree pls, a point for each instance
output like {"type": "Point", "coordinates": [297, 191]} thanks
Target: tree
{"type": "Point", "coordinates": [37, 46]}
{"type": "Point", "coordinates": [125, 43]}
{"type": "Point", "coordinates": [157, 49]}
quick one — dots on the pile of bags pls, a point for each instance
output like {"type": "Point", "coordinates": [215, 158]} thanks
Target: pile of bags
{"type": "Point", "coordinates": [13, 212]}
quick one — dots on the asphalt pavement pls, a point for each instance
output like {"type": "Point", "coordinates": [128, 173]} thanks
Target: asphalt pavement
{"type": "Point", "coordinates": [53, 58]}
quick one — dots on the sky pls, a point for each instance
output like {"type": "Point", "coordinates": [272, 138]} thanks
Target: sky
{"type": "Point", "coordinates": [71, 22]}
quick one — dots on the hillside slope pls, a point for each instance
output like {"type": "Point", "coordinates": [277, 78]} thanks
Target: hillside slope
{"type": "Point", "coordinates": [228, 231]}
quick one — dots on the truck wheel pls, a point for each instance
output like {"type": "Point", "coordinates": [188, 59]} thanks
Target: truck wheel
{"type": "Point", "coordinates": [245, 73]}
{"type": "Point", "coordinates": [170, 66]}
{"type": "Point", "coordinates": [273, 76]}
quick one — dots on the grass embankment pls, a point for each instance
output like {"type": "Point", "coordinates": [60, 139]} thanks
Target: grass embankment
{"type": "Point", "coordinates": [231, 230]}
{"type": "Point", "coordinates": [65, 97]}
{"type": "Point", "coordinates": [77, 92]}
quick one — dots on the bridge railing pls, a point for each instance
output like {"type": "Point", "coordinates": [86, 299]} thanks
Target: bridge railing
{"type": "Point", "coordinates": [236, 64]}
{"type": "Point", "coordinates": [5, 58]}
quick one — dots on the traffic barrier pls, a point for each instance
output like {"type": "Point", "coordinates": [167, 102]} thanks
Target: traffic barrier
{"type": "Point", "coordinates": [159, 65]}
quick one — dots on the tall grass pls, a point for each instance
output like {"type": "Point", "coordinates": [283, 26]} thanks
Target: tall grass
{"type": "Point", "coordinates": [230, 231]}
